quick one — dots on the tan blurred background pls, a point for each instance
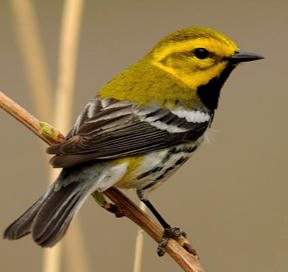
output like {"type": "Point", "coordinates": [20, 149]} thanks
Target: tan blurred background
{"type": "Point", "coordinates": [231, 197]}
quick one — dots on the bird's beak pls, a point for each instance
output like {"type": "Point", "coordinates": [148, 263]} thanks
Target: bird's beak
{"type": "Point", "coordinates": [244, 56]}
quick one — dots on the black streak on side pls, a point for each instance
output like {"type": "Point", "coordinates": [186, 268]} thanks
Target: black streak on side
{"type": "Point", "coordinates": [147, 173]}
{"type": "Point", "coordinates": [209, 93]}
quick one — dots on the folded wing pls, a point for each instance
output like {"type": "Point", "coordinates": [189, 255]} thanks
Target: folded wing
{"type": "Point", "coordinates": [109, 129]}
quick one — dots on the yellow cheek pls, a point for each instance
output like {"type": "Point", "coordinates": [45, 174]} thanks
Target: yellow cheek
{"type": "Point", "coordinates": [202, 76]}
{"type": "Point", "coordinates": [199, 64]}
{"type": "Point", "coordinates": [194, 77]}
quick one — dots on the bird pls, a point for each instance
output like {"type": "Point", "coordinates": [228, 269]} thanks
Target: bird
{"type": "Point", "coordinates": [137, 131]}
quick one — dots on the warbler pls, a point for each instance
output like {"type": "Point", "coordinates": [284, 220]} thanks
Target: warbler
{"type": "Point", "coordinates": [140, 128]}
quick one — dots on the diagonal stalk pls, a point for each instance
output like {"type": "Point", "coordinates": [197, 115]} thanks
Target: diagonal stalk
{"type": "Point", "coordinates": [181, 251]}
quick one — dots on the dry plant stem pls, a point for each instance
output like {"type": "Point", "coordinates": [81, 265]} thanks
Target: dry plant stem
{"type": "Point", "coordinates": [33, 57]}
{"type": "Point", "coordinates": [139, 242]}
{"type": "Point", "coordinates": [32, 50]}
{"type": "Point", "coordinates": [23, 116]}
{"type": "Point", "coordinates": [79, 263]}
{"type": "Point", "coordinates": [52, 264]}
{"type": "Point", "coordinates": [187, 261]}
{"type": "Point", "coordinates": [34, 60]}
{"type": "Point", "coordinates": [69, 40]}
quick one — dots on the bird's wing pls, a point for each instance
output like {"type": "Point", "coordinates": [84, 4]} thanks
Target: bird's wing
{"type": "Point", "coordinates": [109, 129]}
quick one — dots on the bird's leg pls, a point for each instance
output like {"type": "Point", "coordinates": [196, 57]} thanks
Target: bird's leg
{"type": "Point", "coordinates": [169, 232]}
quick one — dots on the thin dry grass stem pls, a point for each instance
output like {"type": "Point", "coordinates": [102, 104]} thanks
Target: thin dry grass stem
{"type": "Point", "coordinates": [34, 60]}
{"type": "Point", "coordinates": [37, 72]}
{"type": "Point", "coordinates": [176, 249]}
{"type": "Point", "coordinates": [69, 40]}
{"type": "Point", "coordinates": [33, 57]}
{"type": "Point", "coordinates": [74, 248]}
{"type": "Point", "coordinates": [53, 263]}
{"type": "Point", "coordinates": [139, 243]}
{"type": "Point", "coordinates": [41, 92]}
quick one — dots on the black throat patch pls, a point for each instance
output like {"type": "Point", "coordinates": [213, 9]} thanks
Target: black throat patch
{"type": "Point", "coordinates": [209, 93]}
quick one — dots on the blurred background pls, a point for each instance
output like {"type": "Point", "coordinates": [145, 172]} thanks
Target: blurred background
{"type": "Point", "coordinates": [231, 197]}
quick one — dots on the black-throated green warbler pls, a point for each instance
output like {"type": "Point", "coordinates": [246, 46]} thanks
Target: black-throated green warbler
{"type": "Point", "coordinates": [140, 128]}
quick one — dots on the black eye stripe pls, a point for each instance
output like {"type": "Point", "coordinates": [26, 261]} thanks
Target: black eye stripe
{"type": "Point", "coordinates": [201, 53]}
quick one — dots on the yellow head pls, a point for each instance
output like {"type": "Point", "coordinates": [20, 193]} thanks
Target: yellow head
{"type": "Point", "coordinates": [194, 55]}
{"type": "Point", "coordinates": [188, 66]}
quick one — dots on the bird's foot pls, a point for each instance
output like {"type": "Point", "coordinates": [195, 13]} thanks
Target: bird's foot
{"type": "Point", "coordinates": [171, 232]}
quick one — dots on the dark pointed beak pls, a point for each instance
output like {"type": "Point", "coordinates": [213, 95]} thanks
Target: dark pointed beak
{"type": "Point", "coordinates": [244, 56]}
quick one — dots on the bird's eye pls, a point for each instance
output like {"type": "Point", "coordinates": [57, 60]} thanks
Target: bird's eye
{"type": "Point", "coordinates": [201, 53]}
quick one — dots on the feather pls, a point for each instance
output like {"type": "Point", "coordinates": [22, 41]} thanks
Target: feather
{"type": "Point", "coordinates": [118, 129]}
{"type": "Point", "coordinates": [49, 217]}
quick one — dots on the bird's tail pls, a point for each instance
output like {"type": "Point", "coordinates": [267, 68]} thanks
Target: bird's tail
{"type": "Point", "coordinates": [49, 217]}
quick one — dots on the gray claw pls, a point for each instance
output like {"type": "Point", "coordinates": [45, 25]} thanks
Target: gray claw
{"type": "Point", "coordinates": [174, 233]}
